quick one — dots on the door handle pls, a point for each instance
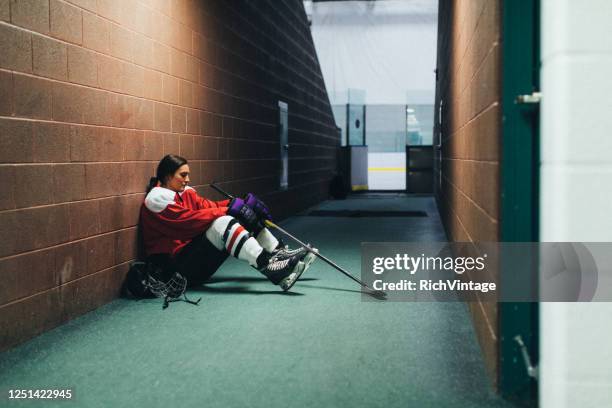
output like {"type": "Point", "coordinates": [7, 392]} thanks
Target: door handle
{"type": "Point", "coordinates": [535, 97]}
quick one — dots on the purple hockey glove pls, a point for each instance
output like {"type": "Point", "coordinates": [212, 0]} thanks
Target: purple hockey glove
{"type": "Point", "coordinates": [260, 208]}
{"type": "Point", "coordinates": [245, 215]}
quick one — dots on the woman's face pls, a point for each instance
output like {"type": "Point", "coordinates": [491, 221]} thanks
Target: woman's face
{"type": "Point", "coordinates": [179, 180]}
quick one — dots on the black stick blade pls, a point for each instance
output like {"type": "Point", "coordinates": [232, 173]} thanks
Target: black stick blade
{"type": "Point", "coordinates": [376, 294]}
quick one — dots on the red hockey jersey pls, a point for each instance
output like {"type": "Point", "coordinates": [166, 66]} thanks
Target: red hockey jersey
{"type": "Point", "coordinates": [169, 220]}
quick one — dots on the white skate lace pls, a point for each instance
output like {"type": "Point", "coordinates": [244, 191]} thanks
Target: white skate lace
{"type": "Point", "coordinates": [287, 253]}
{"type": "Point", "coordinates": [278, 265]}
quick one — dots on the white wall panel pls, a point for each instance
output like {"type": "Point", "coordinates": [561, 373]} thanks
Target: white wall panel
{"type": "Point", "coordinates": [576, 193]}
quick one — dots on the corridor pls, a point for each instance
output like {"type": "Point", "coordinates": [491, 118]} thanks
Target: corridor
{"type": "Point", "coordinates": [248, 344]}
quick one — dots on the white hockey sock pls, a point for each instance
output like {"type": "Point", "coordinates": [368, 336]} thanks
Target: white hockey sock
{"type": "Point", "coordinates": [226, 233]}
{"type": "Point", "coordinates": [267, 241]}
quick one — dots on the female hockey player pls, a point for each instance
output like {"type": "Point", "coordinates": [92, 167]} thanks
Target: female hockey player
{"type": "Point", "coordinates": [187, 234]}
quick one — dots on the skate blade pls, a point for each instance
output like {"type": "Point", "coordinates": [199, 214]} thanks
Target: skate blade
{"type": "Point", "coordinates": [297, 272]}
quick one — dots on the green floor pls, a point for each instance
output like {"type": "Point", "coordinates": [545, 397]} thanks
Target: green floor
{"type": "Point", "coordinates": [249, 345]}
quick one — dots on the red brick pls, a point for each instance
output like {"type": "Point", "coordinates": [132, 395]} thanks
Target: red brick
{"type": "Point", "coordinates": [74, 302]}
{"type": "Point", "coordinates": [205, 123]}
{"type": "Point", "coordinates": [185, 93]}
{"type": "Point", "coordinates": [85, 144]}
{"type": "Point", "coordinates": [199, 97]}
{"type": "Point", "coordinates": [161, 57]}
{"type": "Point", "coordinates": [172, 143]}
{"type": "Point", "coordinates": [195, 166]}
{"type": "Point", "coordinates": [96, 33]}
{"type": "Point", "coordinates": [27, 274]}
{"type": "Point", "coordinates": [92, 291]}
{"type": "Point", "coordinates": [193, 121]}
{"type": "Point", "coordinates": [16, 141]}
{"type": "Point", "coordinates": [227, 128]}
{"type": "Point", "coordinates": [110, 210]}
{"type": "Point", "coordinates": [66, 22]}
{"type": "Point", "coordinates": [86, 4]}
{"type": "Point", "coordinates": [205, 74]}
{"type": "Point", "coordinates": [121, 110]}
{"type": "Point", "coordinates": [229, 170]}
{"type": "Point", "coordinates": [41, 227]}
{"type": "Point", "coordinates": [22, 320]}
{"type": "Point", "coordinates": [144, 112]}
{"type": "Point", "coordinates": [70, 261]}
{"type": "Point", "coordinates": [8, 228]}
{"type": "Point", "coordinates": [15, 49]}
{"type": "Point", "coordinates": [131, 205]}
{"type": "Point", "coordinates": [69, 182]}
{"type": "Point", "coordinates": [211, 171]}
{"type": "Point", "coordinates": [6, 90]}
{"type": "Point", "coordinates": [120, 42]}
{"type": "Point", "coordinates": [33, 185]}
{"type": "Point", "coordinates": [152, 85]}
{"type": "Point", "coordinates": [179, 119]}
{"type": "Point", "coordinates": [103, 180]}
{"type": "Point", "coordinates": [187, 147]}
{"type": "Point", "coordinates": [51, 142]}
{"type": "Point", "coordinates": [49, 58]}
{"type": "Point", "coordinates": [95, 107]}
{"type": "Point", "coordinates": [97, 144]}
{"type": "Point", "coordinates": [5, 10]}
{"type": "Point", "coordinates": [215, 126]}
{"type": "Point", "coordinates": [199, 147]}
{"type": "Point", "coordinates": [143, 50]}
{"type": "Point", "coordinates": [193, 69]}
{"type": "Point", "coordinates": [198, 45]}
{"type": "Point", "coordinates": [100, 253]}
{"type": "Point", "coordinates": [134, 145]}
{"type": "Point", "coordinates": [178, 64]}
{"type": "Point", "coordinates": [142, 19]}
{"type": "Point", "coordinates": [7, 186]}
{"type": "Point", "coordinates": [170, 89]}
{"type": "Point", "coordinates": [110, 73]}
{"type": "Point", "coordinates": [179, 10]}
{"type": "Point", "coordinates": [31, 14]}
{"type": "Point", "coordinates": [113, 10]}
{"type": "Point", "coordinates": [32, 97]}
{"type": "Point", "coordinates": [126, 245]}
{"type": "Point", "coordinates": [162, 6]}
{"type": "Point", "coordinates": [153, 146]}
{"type": "Point", "coordinates": [182, 38]}
{"type": "Point", "coordinates": [133, 81]}
{"type": "Point", "coordinates": [213, 147]}
{"type": "Point", "coordinates": [67, 103]}
{"type": "Point", "coordinates": [136, 176]}
{"type": "Point", "coordinates": [84, 219]}
{"type": "Point", "coordinates": [82, 66]}
{"type": "Point", "coordinates": [163, 117]}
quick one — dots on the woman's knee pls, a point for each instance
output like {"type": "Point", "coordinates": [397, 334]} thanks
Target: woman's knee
{"type": "Point", "coordinates": [216, 231]}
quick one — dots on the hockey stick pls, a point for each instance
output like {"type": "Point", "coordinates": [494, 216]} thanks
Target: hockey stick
{"type": "Point", "coordinates": [379, 294]}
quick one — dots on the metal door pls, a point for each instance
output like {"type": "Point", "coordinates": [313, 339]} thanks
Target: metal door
{"type": "Point", "coordinates": [519, 183]}
{"type": "Point", "coordinates": [283, 131]}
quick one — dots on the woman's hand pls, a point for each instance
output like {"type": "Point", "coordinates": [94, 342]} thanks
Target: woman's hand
{"type": "Point", "coordinates": [260, 208]}
{"type": "Point", "coordinates": [245, 215]}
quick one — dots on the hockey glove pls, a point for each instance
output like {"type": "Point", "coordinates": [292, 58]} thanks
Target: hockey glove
{"type": "Point", "coordinates": [245, 215]}
{"type": "Point", "coordinates": [260, 208]}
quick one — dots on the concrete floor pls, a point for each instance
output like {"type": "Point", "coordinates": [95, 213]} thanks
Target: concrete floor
{"type": "Point", "coordinates": [248, 344]}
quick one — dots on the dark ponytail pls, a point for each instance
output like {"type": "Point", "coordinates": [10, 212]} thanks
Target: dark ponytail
{"type": "Point", "coordinates": [166, 167]}
{"type": "Point", "coordinates": [152, 183]}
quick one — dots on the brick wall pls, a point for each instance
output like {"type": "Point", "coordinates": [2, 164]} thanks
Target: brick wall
{"type": "Point", "coordinates": [95, 92]}
{"type": "Point", "coordinates": [467, 165]}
